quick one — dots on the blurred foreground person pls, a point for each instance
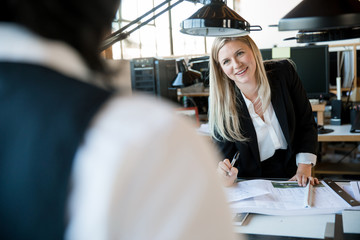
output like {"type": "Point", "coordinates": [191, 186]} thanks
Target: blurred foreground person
{"type": "Point", "coordinates": [79, 162]}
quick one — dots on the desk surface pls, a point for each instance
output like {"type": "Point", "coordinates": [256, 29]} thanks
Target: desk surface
{"type": "Point", "coordinates": [310, 226]}
{"type": "Point", "coordinates": [315, 226]}
{"type": "Point", "coordinates": [341, 133]}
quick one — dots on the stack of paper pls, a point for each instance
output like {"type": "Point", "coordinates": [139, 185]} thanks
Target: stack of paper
{"type": "Point", "coordinates": [283, 198]}
{"type": "Point", "coordinates": [246, 189]}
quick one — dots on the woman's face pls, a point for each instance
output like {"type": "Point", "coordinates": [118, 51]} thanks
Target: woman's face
{"type": "Point", "coordinates": [237, 62]}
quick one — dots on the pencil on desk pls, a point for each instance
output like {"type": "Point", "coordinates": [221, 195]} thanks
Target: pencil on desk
{"type": "Point", "coordinates": [308, 195]}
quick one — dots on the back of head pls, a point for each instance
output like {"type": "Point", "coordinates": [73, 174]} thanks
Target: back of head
{"type": "Point", "coordinates": [80, 23]}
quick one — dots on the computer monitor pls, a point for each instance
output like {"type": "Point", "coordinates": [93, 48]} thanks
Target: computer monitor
{"type": "Point", "coordinates": [312, 65]}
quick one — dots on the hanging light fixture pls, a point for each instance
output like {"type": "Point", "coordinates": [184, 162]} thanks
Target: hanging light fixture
{"type": "Point", "coordinates": [216, 19]}
{"type": "Point", "coordinates": [323, 20]}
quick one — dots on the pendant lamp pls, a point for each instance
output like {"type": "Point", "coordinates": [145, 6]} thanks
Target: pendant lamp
{"type": "Point", "coordinates": [323, 20]}
{"type": "Point", "coordinates": [216, 19]}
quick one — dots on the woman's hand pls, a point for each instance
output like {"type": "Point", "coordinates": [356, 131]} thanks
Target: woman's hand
{"type": "Point", "coordinates": [303, 174]}
{"type": "Point", "coordinates": [227, 173]}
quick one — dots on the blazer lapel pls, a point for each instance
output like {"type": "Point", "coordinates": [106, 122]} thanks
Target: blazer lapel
{"type": "Point", "coordinates": [280, 109]}
{"type": "Point", "coordinates": [248, 128]}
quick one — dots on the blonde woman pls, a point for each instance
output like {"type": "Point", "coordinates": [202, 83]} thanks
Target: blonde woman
{"type": "Point", "coordinates": [260, 110]}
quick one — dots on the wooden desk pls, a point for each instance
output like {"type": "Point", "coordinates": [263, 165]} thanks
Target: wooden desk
{"type": "Point", "coordinates": [316, 226]}
{"type": "Point", "coordinates": [199, 91]}
{"type": "Point", "coordinates": [341, 133]}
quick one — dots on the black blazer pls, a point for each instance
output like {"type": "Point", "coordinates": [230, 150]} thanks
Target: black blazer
{"type": "Point", "coordinates": [44, 116]}
{"type": "Point", "coordinates": [295, 116]}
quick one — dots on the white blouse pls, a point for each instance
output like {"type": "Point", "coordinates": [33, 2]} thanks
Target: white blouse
{"type": "Point", "coordinates": [270, 136]}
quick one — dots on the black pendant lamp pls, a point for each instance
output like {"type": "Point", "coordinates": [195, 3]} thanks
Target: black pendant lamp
{"type": "Point", "coordinates": [216, 19]}
{"type": "Point", "coordinates": [323, 20]}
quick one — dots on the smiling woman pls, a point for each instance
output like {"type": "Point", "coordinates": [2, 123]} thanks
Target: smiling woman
{"type": "Point", "coordinates": [261, 110]}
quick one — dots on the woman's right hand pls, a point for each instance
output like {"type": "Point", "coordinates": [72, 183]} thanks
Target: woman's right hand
{"type": "Point", "coordinates": [227, 173]}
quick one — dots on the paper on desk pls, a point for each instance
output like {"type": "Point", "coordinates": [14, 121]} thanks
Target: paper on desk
{"type": "Point", "coordinates": [286, 198]}
{"type": "Point", "coordinates": [204, 128]}
{"type": "Point", "coordinates": [246, 189]}
{"type": "Point", "coordinates": [355, 187]}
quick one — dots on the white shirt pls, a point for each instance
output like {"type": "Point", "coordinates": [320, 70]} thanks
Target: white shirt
{"type": "Point", "coordinates": [141, 172]}
{"type": "Point", "coordinates": [270, 136]}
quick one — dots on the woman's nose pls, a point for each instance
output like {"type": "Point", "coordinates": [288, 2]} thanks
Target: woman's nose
{"type": "Point", "coordinates": [236, 64]}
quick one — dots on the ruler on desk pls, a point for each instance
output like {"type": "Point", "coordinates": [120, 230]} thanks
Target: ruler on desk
{"type": "Point", "coordinates": [339, 191]}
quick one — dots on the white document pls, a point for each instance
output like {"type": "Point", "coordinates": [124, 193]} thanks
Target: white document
{"type": "Point", "coordinates": [287, 198]}
{"type": "Point", "coordinates": [246, 189]}
{"type": "Point", "coordinates": [355, 187]}
{"type": "Point", "coordinates": [204, 129]}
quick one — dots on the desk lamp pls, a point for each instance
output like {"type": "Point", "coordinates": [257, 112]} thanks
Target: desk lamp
{"type": "Point", "coordinates": [214, 19]}
{"type": "Point", "coordinates": [185, 76]}
{"type": "Point", "coordinates": [323, 20]}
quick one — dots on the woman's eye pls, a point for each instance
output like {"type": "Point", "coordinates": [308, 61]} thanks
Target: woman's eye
{"type": "Point", "coordinates": [225, 62]}
{"type": "Point", "coordinates": [239, 53]}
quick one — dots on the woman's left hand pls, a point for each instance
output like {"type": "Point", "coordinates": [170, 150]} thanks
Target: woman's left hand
{"type": "Point", "coordinates": [303, 174]}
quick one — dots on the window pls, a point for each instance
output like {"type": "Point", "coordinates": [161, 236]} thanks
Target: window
{"type": "Point", "coordinates": [160, 37]}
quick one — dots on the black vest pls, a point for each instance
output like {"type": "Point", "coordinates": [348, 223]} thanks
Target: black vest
{"type": "Point", "coordinates": [43, 117]}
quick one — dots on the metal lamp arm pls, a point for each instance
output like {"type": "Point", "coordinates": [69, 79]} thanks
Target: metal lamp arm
{"type": "Point", "coordinates": [120, 34]}
{"type": "Point", "coordinates": [138, 19]}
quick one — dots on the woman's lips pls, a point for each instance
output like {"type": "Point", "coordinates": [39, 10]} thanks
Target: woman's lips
{"type": "Point", "coordinates": [241, 71]}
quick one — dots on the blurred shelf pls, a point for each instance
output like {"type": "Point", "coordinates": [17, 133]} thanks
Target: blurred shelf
{"type": "Point", "coordinates": [193, 94]}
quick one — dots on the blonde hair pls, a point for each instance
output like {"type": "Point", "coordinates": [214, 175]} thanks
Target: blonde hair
{"type": "Point", "coordinates": [224, 119]}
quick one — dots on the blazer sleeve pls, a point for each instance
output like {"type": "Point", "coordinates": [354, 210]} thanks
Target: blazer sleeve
{"type": "Point", "coordinates": [226, 148]}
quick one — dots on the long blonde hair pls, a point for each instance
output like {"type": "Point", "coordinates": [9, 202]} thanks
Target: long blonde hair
{"type": "Point", "coordinates": [223, 116]}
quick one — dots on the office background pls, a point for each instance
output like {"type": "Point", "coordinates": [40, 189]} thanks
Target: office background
{"type": "Point", "coordinates": [162, 38]}
{"type": "Point", "coordinates": [159, 44]}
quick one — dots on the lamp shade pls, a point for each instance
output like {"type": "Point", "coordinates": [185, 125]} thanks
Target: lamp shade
{"type": "Point", "coordinates": [216, 19]}
{"type": "Point", "coordinates": [322, 14]}
{"type": "Point", "coordinates": [323, 20]}
{"type": "Point", "coordinates": [327, 35]}
{"type": "Point", "coordinates": [185, 76]}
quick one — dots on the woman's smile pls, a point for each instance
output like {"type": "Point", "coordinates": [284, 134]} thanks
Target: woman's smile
{"type": "Point", "coordinates": [241, 72]}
